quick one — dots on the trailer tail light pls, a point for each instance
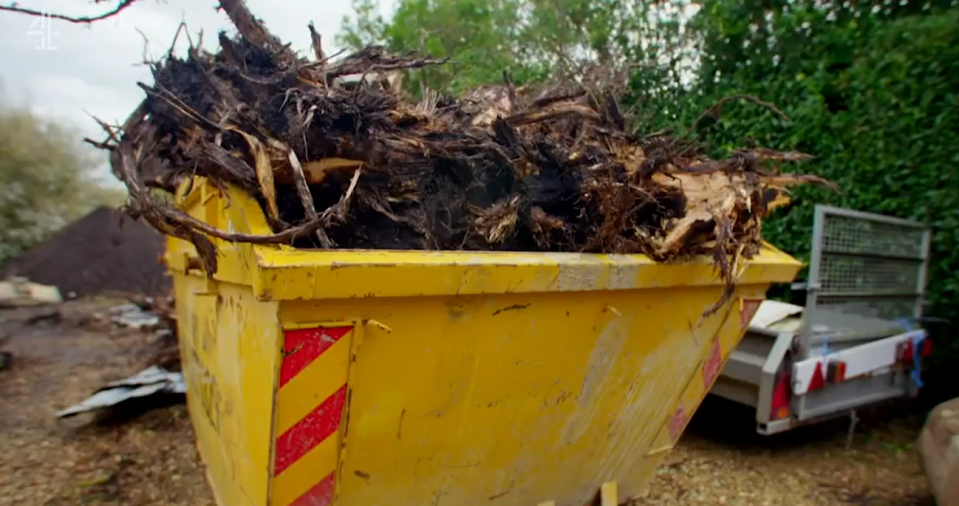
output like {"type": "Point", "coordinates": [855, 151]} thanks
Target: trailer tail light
{"type": "Point", "coordinates": [780, 402]}
{"type": "Point", "coordinates": [904, 352]}
{"type": "Point", "coordinates": [818, 379]}
{"type": "Point", "coordinates": [836, 372]}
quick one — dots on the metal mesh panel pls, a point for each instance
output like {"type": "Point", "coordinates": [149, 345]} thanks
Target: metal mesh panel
{"type": "Point", "coordinates": [868, 264]}
{"type": "Point", "coordinates": [890, 308]}
{"type": "Point", "coordinates": [845, 234]}
{"type": "Point", "coordinates": [868, 274]}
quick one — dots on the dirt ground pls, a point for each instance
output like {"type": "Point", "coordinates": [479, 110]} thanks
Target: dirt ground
{"type": "Point", "coordinates": [721, 460]}
{"type": "Point", "coordinates": [152, 460]}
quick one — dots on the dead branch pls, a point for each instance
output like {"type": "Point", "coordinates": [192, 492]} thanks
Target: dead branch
{"type": "Point", "coordinates": [565, 110]}
{"type": "Point", "coordinates": [145, 57]}
{"type": "Point", "coordinates": [374, 61]}
{"type": "Point", "coordinates": [252, 29]}
{"type": "Point", "coordinates": [716, 109]}
{"type": "Point", "coordinates": [122, 5]}
{"type": "Point", "coordinates": [303, 190]}
{"type": "Point", "coordinates": [176, 36]}
{"type": "Point", "coordinates": [317, 43]}
{"type": "Point", "coordinates": [175, 222]}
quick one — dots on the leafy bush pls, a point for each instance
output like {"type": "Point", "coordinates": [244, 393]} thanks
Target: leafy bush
{"type": "Point", "coordinates": [46, 180]}
{"type": "Point", "coordinates": [875, 99]}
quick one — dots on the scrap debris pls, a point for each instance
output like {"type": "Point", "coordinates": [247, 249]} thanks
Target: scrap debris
{"type": "Point", "coordinates": [132, 316]}
{"type": "Point", "coordinates": [339, 157]}
{"type": "Point", "coordinates": [20, 292]}
{"type": "Point", "coordinates": [157, 315]}
{"type": "Point", "coordinates": [153, 381]}
{"type": "Point", "coordinates": [150, 315]}
{"type": "Point", "coordinates": [162, 377]}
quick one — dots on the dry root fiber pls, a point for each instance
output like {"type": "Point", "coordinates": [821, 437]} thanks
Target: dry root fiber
{"type": "Point", "coordinates": [340, 158]}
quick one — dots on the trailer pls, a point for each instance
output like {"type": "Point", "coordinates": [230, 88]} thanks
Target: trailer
{"type": "Point", "coordinates": [858, 341]}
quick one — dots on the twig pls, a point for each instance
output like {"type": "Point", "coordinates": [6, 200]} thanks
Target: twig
{"type": "Point", "coordinates": [322, 62]}
{"type": "Point", "coordinates": [658, 133]}
{"type": "Point", "coordinates": [99, 144]}
{"type": "Point", "coordinates": [282, 237]}
{"type": "Point", "coordinates": [167, 96]}
{"type": "Point", "coordinates": [770, 154]}
{"type": "Point", "coordinates": [716, 109]}
{"type": "Point", "coordinates": [106, 128]}
{"type": "Point", "coordinates": [345, 200]}
{"type": "Point", "coordinates": [176, 37]}
{"type": "Point", "coordinates": [280, 78]}
{"type": "Point", "coordinates": [146, 46]}
{"type": "Point", "coordinates": [72, 19]}
{"type": "Point", "coordinates": [286, 48]}
{"type": "Point", "coordinates": [526, 118]}
{"type": "Point", "coordinates": [357, 65]}
{"type": "Point", "coordinates": [613, 112]}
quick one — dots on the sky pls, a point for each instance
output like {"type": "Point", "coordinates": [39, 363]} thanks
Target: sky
{"type": "Point", "coordinates": [69, 72]}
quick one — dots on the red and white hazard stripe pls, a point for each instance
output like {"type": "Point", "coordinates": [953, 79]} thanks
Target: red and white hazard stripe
{"type": "Point", "coordinates": [309, 411]}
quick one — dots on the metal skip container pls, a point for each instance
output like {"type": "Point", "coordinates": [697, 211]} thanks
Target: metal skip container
{"type": "Point", "coordinates": [412, 378]}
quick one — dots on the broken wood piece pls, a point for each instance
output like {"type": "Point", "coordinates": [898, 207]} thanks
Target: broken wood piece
{"type": "Point", "coordinates": [317, 171]}
{"type": "Point", "coordinates": [264, 171]}
{"type": "Point", "coordinates": [303, 190]}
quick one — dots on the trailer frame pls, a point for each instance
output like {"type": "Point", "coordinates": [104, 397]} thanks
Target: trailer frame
{"type": "Point", "coordinates": [863, 309]}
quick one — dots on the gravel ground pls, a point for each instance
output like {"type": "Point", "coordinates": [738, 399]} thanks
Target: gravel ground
{"type": "Point", "coordinates": [152, 460]}
{"type": "Point", "coordinates": [721, 460]}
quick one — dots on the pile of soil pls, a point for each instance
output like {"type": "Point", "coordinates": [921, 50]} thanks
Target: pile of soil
{"type": "Point", "coordinates": [362, 165]}
{"type": "Point", "coordinates": [104, 251]}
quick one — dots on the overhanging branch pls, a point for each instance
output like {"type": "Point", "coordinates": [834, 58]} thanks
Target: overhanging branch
{"type": "Point", "coordinates": [123, 4]}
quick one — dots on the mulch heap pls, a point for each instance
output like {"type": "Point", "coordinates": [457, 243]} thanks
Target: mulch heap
{"type": "Point", "coordinates": [105, 251]}
{"type": "Point", "coordinates": [333, 165]}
